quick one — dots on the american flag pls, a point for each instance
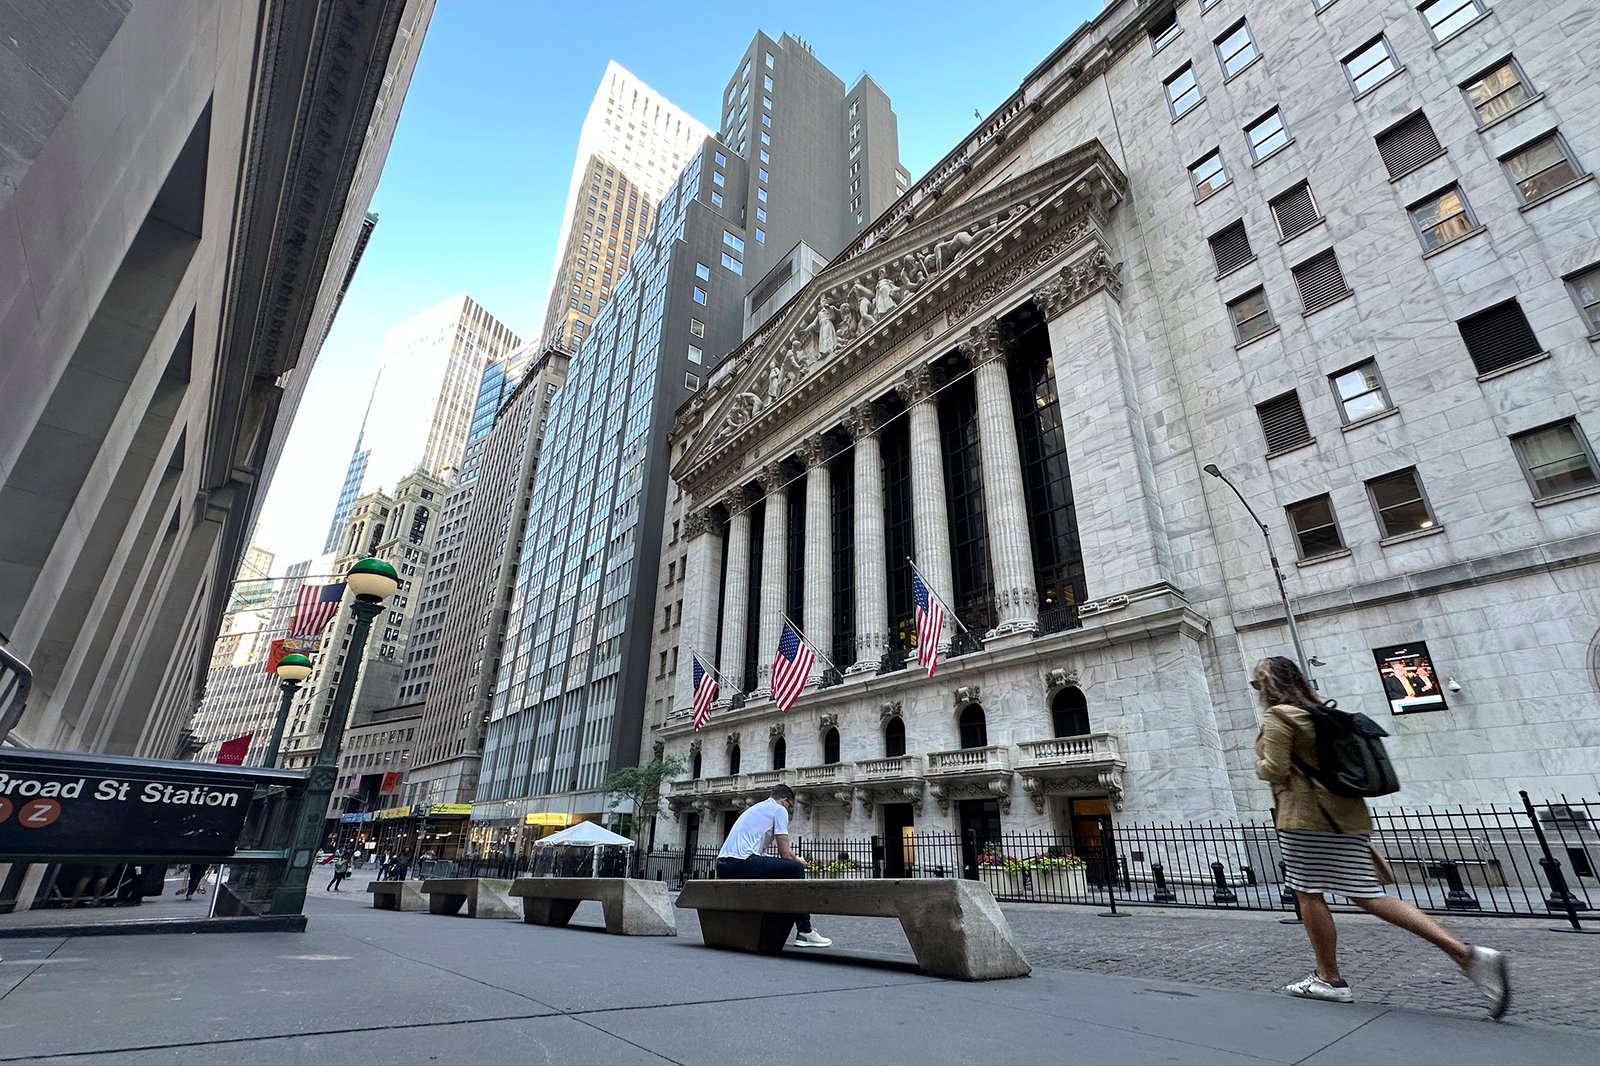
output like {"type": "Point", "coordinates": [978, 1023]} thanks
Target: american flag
{"type": "Point", "coordinates": [930, 624]}
{"type": "Point", "coordinates": [705, 690]}
{"type": "Point", "coordinates": [313, 606]}
{"type": "Point", "coordinates": [791, 668]}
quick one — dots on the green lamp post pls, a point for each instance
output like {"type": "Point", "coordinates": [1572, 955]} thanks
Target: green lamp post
{"type": "Point", "coordinates": [292, 669]}
{"type": "Point", "coordinates": [372, 581]}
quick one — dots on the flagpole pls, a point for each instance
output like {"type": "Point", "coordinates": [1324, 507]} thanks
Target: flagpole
{"type": "Point", "coordinates": [935, 594]}
{"type": "Point", "coordinates": [815, 650]}
{"type": "Point", "coordinates": [732, 688]}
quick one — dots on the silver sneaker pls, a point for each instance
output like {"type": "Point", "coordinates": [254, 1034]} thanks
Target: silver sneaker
{"type": "Point", "coordinates": [1314, 987]}
{"type": "Point", "coordinates": [812, 939]}
{"type": "Point", "coordinates": [1487, 968]}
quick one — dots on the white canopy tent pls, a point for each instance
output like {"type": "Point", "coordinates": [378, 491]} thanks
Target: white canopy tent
{"type": "Point", "coordinates": [585, 835]}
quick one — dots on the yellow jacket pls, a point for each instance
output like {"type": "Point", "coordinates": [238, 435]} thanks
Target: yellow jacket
{"type": "Point", "coordinates": [1299, 802]}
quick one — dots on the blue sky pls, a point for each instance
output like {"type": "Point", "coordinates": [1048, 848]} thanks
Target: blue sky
{"type": "Point", "coordinates": [471, 196]}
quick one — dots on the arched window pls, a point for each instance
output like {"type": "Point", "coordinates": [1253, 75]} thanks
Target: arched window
{"type": "Point", "coordinates": [830, 746]}
{"type": "Point", "coordinates": [733, 759]}
{"type": "Point", "coordinates": [894, 737]}
{"type": "Point", "coordinates": [974, 730]}
{"type": "Point", "coordinates": [694, 766]}
{"type": "Point", "coordinates": [780, 754]}
{"type": "Point", "coordinates": [1069, 712]}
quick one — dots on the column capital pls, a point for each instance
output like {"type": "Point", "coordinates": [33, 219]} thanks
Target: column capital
{"type": "Point", "coordinates": [987, 341]}
{"type": "Point", "coordinates": [863, 420]}
{"type": "Point", "coordinates": [1078, 280]}
{"type": "Point", "coordinates": [816, 450]}
{"type": "Point", "coordinates": [775, 475]}
{"type": "Point", "coordinates": [698, 522]}
{"type": "Point", "coordinates": [919, 384]}
{"type": "Point", "coordinates": [735, 500]}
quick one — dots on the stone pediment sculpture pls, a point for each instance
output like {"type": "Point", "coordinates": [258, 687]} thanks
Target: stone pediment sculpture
{"type": "Point", "coordinates": [923, 280]}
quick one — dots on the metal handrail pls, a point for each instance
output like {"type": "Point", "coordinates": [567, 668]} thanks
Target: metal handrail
{"type": "Point", "coordinates": [16, 681]}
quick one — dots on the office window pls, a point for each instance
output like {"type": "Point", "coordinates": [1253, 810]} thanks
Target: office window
{"type": "Point", "coordinates": [702, 271]}
{"type": "Point", "coordinates": [717, 179]}
{"type": "Point", "coordinates": [1231, 247]}
{"type": "Point", "coordinates": [1163, 30]}
{"type": "Point", "coordinates": [1585, 289]}
{"type": "Point", "coordinates": [1283, 423]}
{"type": "Point", "coordinates": [1359, 391]}
{"type": "Point", "coordinates": [1370, 64]}
{"type": "Point", "coordinates": [769, 61]}
{"type": "Point", "coordinates": [732, 264]}
{"type": "Point", "coordinates": [1320, 281]}
{"type": "Point", "coordinates": [733, 241]}
{"type": "Point", "coordinates": [692, 383]}
{"type": "Point", "coordinates": [1409, 144]}
{"type": "Point", "coordinates": [695, 354]}
{"type": "Point", "coordinates": [1207, 5]}
{"type": "Point", "coordinates": [1315, 532]}
{"type": "Point", "coordinates": [1183, 91]}
{"type": "Point", "coordinates": [766, 82]}
{"type": "Point", "coordinates": [1557, 459]}
{"type": "Point", "coordinates": [1207, 175]}
{"type": "Point", "coordinates": [766, 138]}
{"type": "Point", "coordinates": [1400, 504]}
{"type": "Point", "coordinates": [1236, 49]}
{"type": "Point", "coordinates": [1540, 167]}
{"type": "Point", "coordinates": [716, 198]}
{"type": "Point", "coordinates": [764, 157]}
{"type": "Point", "coordinates": [1441, 218]}
{"type": "Point", "coordinates": [722, 160]}
{"type": "Point", "coordinates": [1251, 316]}
{"type": "Point", "coordinates": [761, 235]}
{"type": "Point", "coordinates": [699, 295]}
{"type": "Point", "coordinates": [761, 194]}
{"type": "Point", "coordinates": [766, 102]}
{"type": "Point", "coordinates": [766, 120]}
{"type": "Point", "coordinates": [761, 175]}
{"type": "Point", "coordinates": [1498, 91]}
{"type": "Point", "coordinates": [1446, 18]}
{"type": "Point", "coordinates": [761, 214]}
{"type": "Point", "coordinates": [1498, 337]}
{"type": "Point", "coordinates": [697, 328]}
{"type": "Point", "coordinates": [1267, 134]}
{"type": "Point", "coordinates": [1295, 211]}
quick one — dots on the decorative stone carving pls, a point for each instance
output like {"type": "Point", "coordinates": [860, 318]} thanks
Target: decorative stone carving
{"type": "Point", "coordinates": [967, 694]}
{"type": "Point", "coordinates": [919, 383]}
{"type": "Point", "coordinates": [1110, 603]}
{"type": "Point", "coordinates": [888, 711]}
{"type": "Point", "coordinates": [1107, 781]}
{"type": "Point", "coordinates": [816, 450]}
{"type": "Point", "coordinates": [694, 747]}
{"type": "Point", "coordinates": [698, 522]}
{"type": "Point", "coordinates": [730, 742]}
{"type": "Point", "coordinates": [863, 420]}
{"type": "Point", "coordinates": [827, 721]}
{"type": "Point", "coordinates": [995, 788]}
{"type": "Point", "coordinates": [658, 749]}
{"type": "Point", "coordinates": [774, 476]}
{"type": "Point", "coordinates": [774, 731]}
{"type": "Point", "coordinates": [737, 499]}
{"type": "Point", "coordinates": [989, 339]}
{"type": "Point", "coordinates": [1060, 678]}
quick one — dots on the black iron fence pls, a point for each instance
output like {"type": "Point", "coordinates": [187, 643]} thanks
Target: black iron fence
{"type": "Point", "coordinates": [1532, 859]}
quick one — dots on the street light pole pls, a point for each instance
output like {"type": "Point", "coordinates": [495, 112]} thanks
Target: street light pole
{"type": "Point", "coordinates": [1277, 571]}
{"type": "Point", "coordinates": [372, 581]}
{"type": "Point", "coordinates": [292, 669]}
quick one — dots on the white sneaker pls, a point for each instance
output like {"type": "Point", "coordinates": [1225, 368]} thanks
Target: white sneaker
{"type": "Point", "coordinates": [1487, 969]}
{"type": "Point", "coordinates": [812, 939]}
{"type": "Point", "coordinates": [1314, 987]}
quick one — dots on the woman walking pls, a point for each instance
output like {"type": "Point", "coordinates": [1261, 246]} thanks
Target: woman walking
{"type": "Point", "coordinates": [1327, 848]}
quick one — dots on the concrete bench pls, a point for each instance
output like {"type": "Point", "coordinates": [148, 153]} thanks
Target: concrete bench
{"type": "Point", "coordinates": [632, 907]}
{"type": "Point", "coordinates": [396, 896]}
{"type": "Point", "coordinates": [484, 897]}
{"type": "Point", "coordinates": [955, 927]}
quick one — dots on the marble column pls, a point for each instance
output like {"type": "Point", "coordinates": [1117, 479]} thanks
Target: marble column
{"type": "Point", "coordinates": [818, 603]}
{"type": "Point", "coordinates": [774, 479]}
{"type": "Point", "coordinates": [872, 574]}
{"type": "Point", "coordinates": [735, 588]}
{"type": "Point", "coordinates": [702, 594]}
{"type": "Point", "coordinates": [930, 518]}
{"type": "Point", "coordinates": [1016, 592]}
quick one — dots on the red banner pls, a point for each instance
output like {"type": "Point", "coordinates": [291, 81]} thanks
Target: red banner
{"type": "Point", "coordinates": [232, 751]}
{"type": "Point", "coordinates": [279, 648]}
{"type": "Point", "coordinates": [391, 781]}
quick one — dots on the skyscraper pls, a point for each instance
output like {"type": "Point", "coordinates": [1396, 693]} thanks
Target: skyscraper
{"type": "Point", "coordinates": [633, 144]}
{"type": "Point", "coordinates": [354, 475]}
{"type": "Point", "coordinates": [569, 700]}
{"type": "Point", "coordinates": [428, 380]}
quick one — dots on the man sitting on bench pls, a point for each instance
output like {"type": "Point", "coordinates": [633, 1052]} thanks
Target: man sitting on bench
{"type": "Point", "coordinates": [744, 855]}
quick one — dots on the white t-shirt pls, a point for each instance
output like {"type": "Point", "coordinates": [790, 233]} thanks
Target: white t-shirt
{"type": "Point", "coordinates": [753, 832]}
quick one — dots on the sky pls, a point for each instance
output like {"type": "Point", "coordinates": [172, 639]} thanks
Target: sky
{"type": "Point", "coordinates": [473, 189]}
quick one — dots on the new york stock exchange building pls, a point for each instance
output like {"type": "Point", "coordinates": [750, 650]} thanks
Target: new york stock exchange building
{"type": "Point", "coordinates": [1013, 383]}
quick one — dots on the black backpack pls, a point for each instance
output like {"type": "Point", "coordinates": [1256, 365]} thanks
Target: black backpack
{"type": "Point", "coordinates": [1350, 754]}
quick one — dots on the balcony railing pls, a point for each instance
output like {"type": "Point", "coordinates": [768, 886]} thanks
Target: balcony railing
{"type": "Point", "coordinates": [721, 786]}
{"type": "Point", "coordinates": [687, 787]}
{"type": "Point", "coordinates": [763, 780]}
{"type": "Point", "coordinates": [1068, 751]}
{"type": "Point", "coordinates": [892, 768]}
{"type": "Point", "coordinates": [994, 758]}
{"type": "Point", "coordinates": [834, 773]}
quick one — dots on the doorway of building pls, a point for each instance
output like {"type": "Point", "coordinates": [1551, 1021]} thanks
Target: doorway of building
{"type": "Point", "coordinates": [1096, 847]}
{"type": "Point", "coordinates": [982, 817]}
{"type": "Point", "coordinates": [728, 818]}
{"type": "Point", "coordinates": [691, 842]}
{"type": "Point", "coordinates": [898, 851]}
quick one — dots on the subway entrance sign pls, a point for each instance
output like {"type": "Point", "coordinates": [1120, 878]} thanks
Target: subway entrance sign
{"type": "Point", "coordinates": [65, 805]}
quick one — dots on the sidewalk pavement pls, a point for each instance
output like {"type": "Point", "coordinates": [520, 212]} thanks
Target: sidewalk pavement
{"type": "Point", "coordinates": [415, 988]}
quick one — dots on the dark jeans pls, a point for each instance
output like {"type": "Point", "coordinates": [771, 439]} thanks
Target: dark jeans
{"type": "Point", "coordinates": [766, 868]}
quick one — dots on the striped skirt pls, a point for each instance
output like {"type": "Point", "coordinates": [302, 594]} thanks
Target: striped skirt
{"type": "Point", "coordinates": [1329, 863]}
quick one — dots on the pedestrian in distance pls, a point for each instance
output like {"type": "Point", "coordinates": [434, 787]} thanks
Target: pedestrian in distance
{"type": "Point", "coordinates": [341, 870]}
{"type": "Point", "coordinates": [744, 854]}
{"type": "Point", "coordinates": [197, 872]}
{"type": "Point", "coordinates": [1326, 839]}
